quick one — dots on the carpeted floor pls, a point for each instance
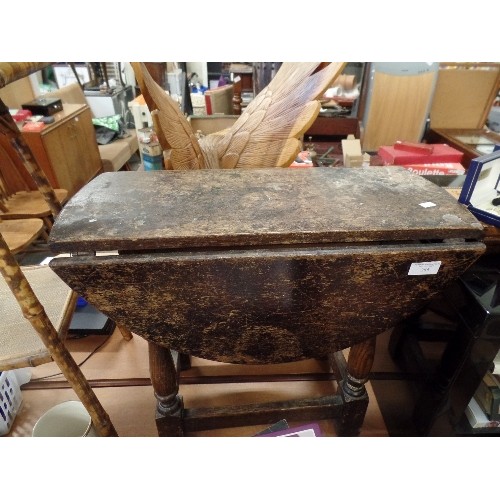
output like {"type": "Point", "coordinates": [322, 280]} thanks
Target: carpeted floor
{"type": "Point", "coordinates": [131, 404]}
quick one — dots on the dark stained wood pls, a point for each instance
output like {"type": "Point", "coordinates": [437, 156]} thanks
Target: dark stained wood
{"type": "Point", "coordinates": [193, 380]}
{"type": "Point", "coordinates": [352, 376]}
{"type": "Point", "coordinates": [262, 266]}
{"type": "Point", "coordinates": [166, 386]}
{"type": "Point", "coordinates": [196, 419]}
{"type": "Point", "coordinates": [184, 361]}
{"type": "Point", "coordinates": [206, 208]}
{"type": "Point", "coordinates": [360, 360]}
{"type": "Point", "coordinates": [354, 411]}
{"type": "Point", "coordinates": [352, 388]}
{"type": "Point", "coordinates": [465, 319]}
{"type": "Point", "coordinates": [263, 306]}
{"type": "Point", "coordinates": [334, 127]}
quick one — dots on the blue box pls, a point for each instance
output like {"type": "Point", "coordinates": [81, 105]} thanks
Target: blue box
{"type": "Point", "coordinates": [481, 189]}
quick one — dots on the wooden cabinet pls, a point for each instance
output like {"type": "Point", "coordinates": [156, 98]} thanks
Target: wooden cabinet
{"type": "Point", "coordinates": [464, 95]}
{"type": "Point", "coordinates": [333, 128]}
{"type": "Point", "coordinates": [471, 142]}
{"type": "Point", "coordinates": [67, 149]}
{"type": "Point", "coordinates": [335, 123]}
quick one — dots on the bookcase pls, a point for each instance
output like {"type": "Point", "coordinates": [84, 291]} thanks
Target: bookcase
{"type": "Point", "coordinates": [215, 70]}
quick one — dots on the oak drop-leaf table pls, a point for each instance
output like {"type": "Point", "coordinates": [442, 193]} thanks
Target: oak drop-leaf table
{"type": "Point", "coordinates": [262, 266]}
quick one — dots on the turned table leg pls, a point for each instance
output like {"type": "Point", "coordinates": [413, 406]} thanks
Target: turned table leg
{"type": "Point", "coordinates": [352, 387]}
{"type": "Point", "coordinates": [165, 383]}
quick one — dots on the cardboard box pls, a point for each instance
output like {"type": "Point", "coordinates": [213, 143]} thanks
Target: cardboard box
{"type": "Point", "coordinates": [219, 100]}
{"type": "Point", "coordinates": [351, 152]}
{"type": "Point", "coordinates": [441, 153]}
{"type": "Point", "coordinates": [477, 418]}
{"type": "Point", "coordinates": [487, 396]}
{"type": "Point", "coordinates": [481, 189]}
{"type": "Point", "coordinates": [140, 112]}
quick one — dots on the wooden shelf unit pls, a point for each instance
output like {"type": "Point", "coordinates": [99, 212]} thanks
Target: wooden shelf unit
{"type": "Point", "coordinates": [67, 149]}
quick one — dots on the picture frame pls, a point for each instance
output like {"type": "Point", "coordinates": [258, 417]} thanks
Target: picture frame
{"type": "Point", "coordinates": [480, 192]}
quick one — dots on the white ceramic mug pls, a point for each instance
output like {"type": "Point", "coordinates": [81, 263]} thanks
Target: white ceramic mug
{"type": "Point", "coordinates": [67, 419]}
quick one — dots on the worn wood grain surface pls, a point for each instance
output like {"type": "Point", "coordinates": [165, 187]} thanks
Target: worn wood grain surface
{"type": "Point", "coordinates": [180, 209]}
{"type": "Point", "coordinates": [266, 265]}
{"type": "Point", "coordinates": [263, 306]}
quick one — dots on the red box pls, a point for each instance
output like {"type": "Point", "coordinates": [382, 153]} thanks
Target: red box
{"type": "Point", "coordinates": [22, 115]}
{"type": "Point", "coordinates": [420, 148]}
{"type": "Point", "coordinates": [436, 168]}
{"type": "Point", "coordinates": [33, 126]}
{"type": "Point", "coordinates": [441, 153]}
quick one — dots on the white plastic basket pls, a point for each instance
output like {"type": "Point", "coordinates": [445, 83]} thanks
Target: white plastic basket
{"type": "Point", "coordinates": [10, 400]}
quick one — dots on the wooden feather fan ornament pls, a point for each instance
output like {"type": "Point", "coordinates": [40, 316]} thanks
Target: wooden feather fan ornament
{"type": "Point", "coordinates": [265, 135]}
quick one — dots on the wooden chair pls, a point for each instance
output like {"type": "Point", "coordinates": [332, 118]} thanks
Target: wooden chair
{"type": "Point", "coordinates": [17, 199]}
{"type": "Point", "coordinates": [19, 204]}
{"type": "Point", "coordinates": [28, 204]}
{"type": "Point", "coordinates": [20, 234]}
{"type": "Point", "coordinates": [22, 353]}
{"type": "Point", "coordinates": [399, 96]}
{"type": "Point", "coordinates": [46, 303]}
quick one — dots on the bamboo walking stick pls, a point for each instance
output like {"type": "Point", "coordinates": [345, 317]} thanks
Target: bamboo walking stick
{"type": "Point", "coordinates": [34, 312]}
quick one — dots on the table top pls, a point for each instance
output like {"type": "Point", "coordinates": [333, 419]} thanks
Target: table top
{"type": "Point", "coordinates": [255, 207]}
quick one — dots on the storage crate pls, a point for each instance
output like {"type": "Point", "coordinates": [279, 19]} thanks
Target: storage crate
{"type": "Point", "coordinates": [10, 400]}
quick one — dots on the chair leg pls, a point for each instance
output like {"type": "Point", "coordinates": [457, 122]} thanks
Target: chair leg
{"type": "Point", "coordinates": [44, 235]}
{"type": "Point", "coordinates": [48, 222]}
{"type": "Point", "coordinates": [126, 333]}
